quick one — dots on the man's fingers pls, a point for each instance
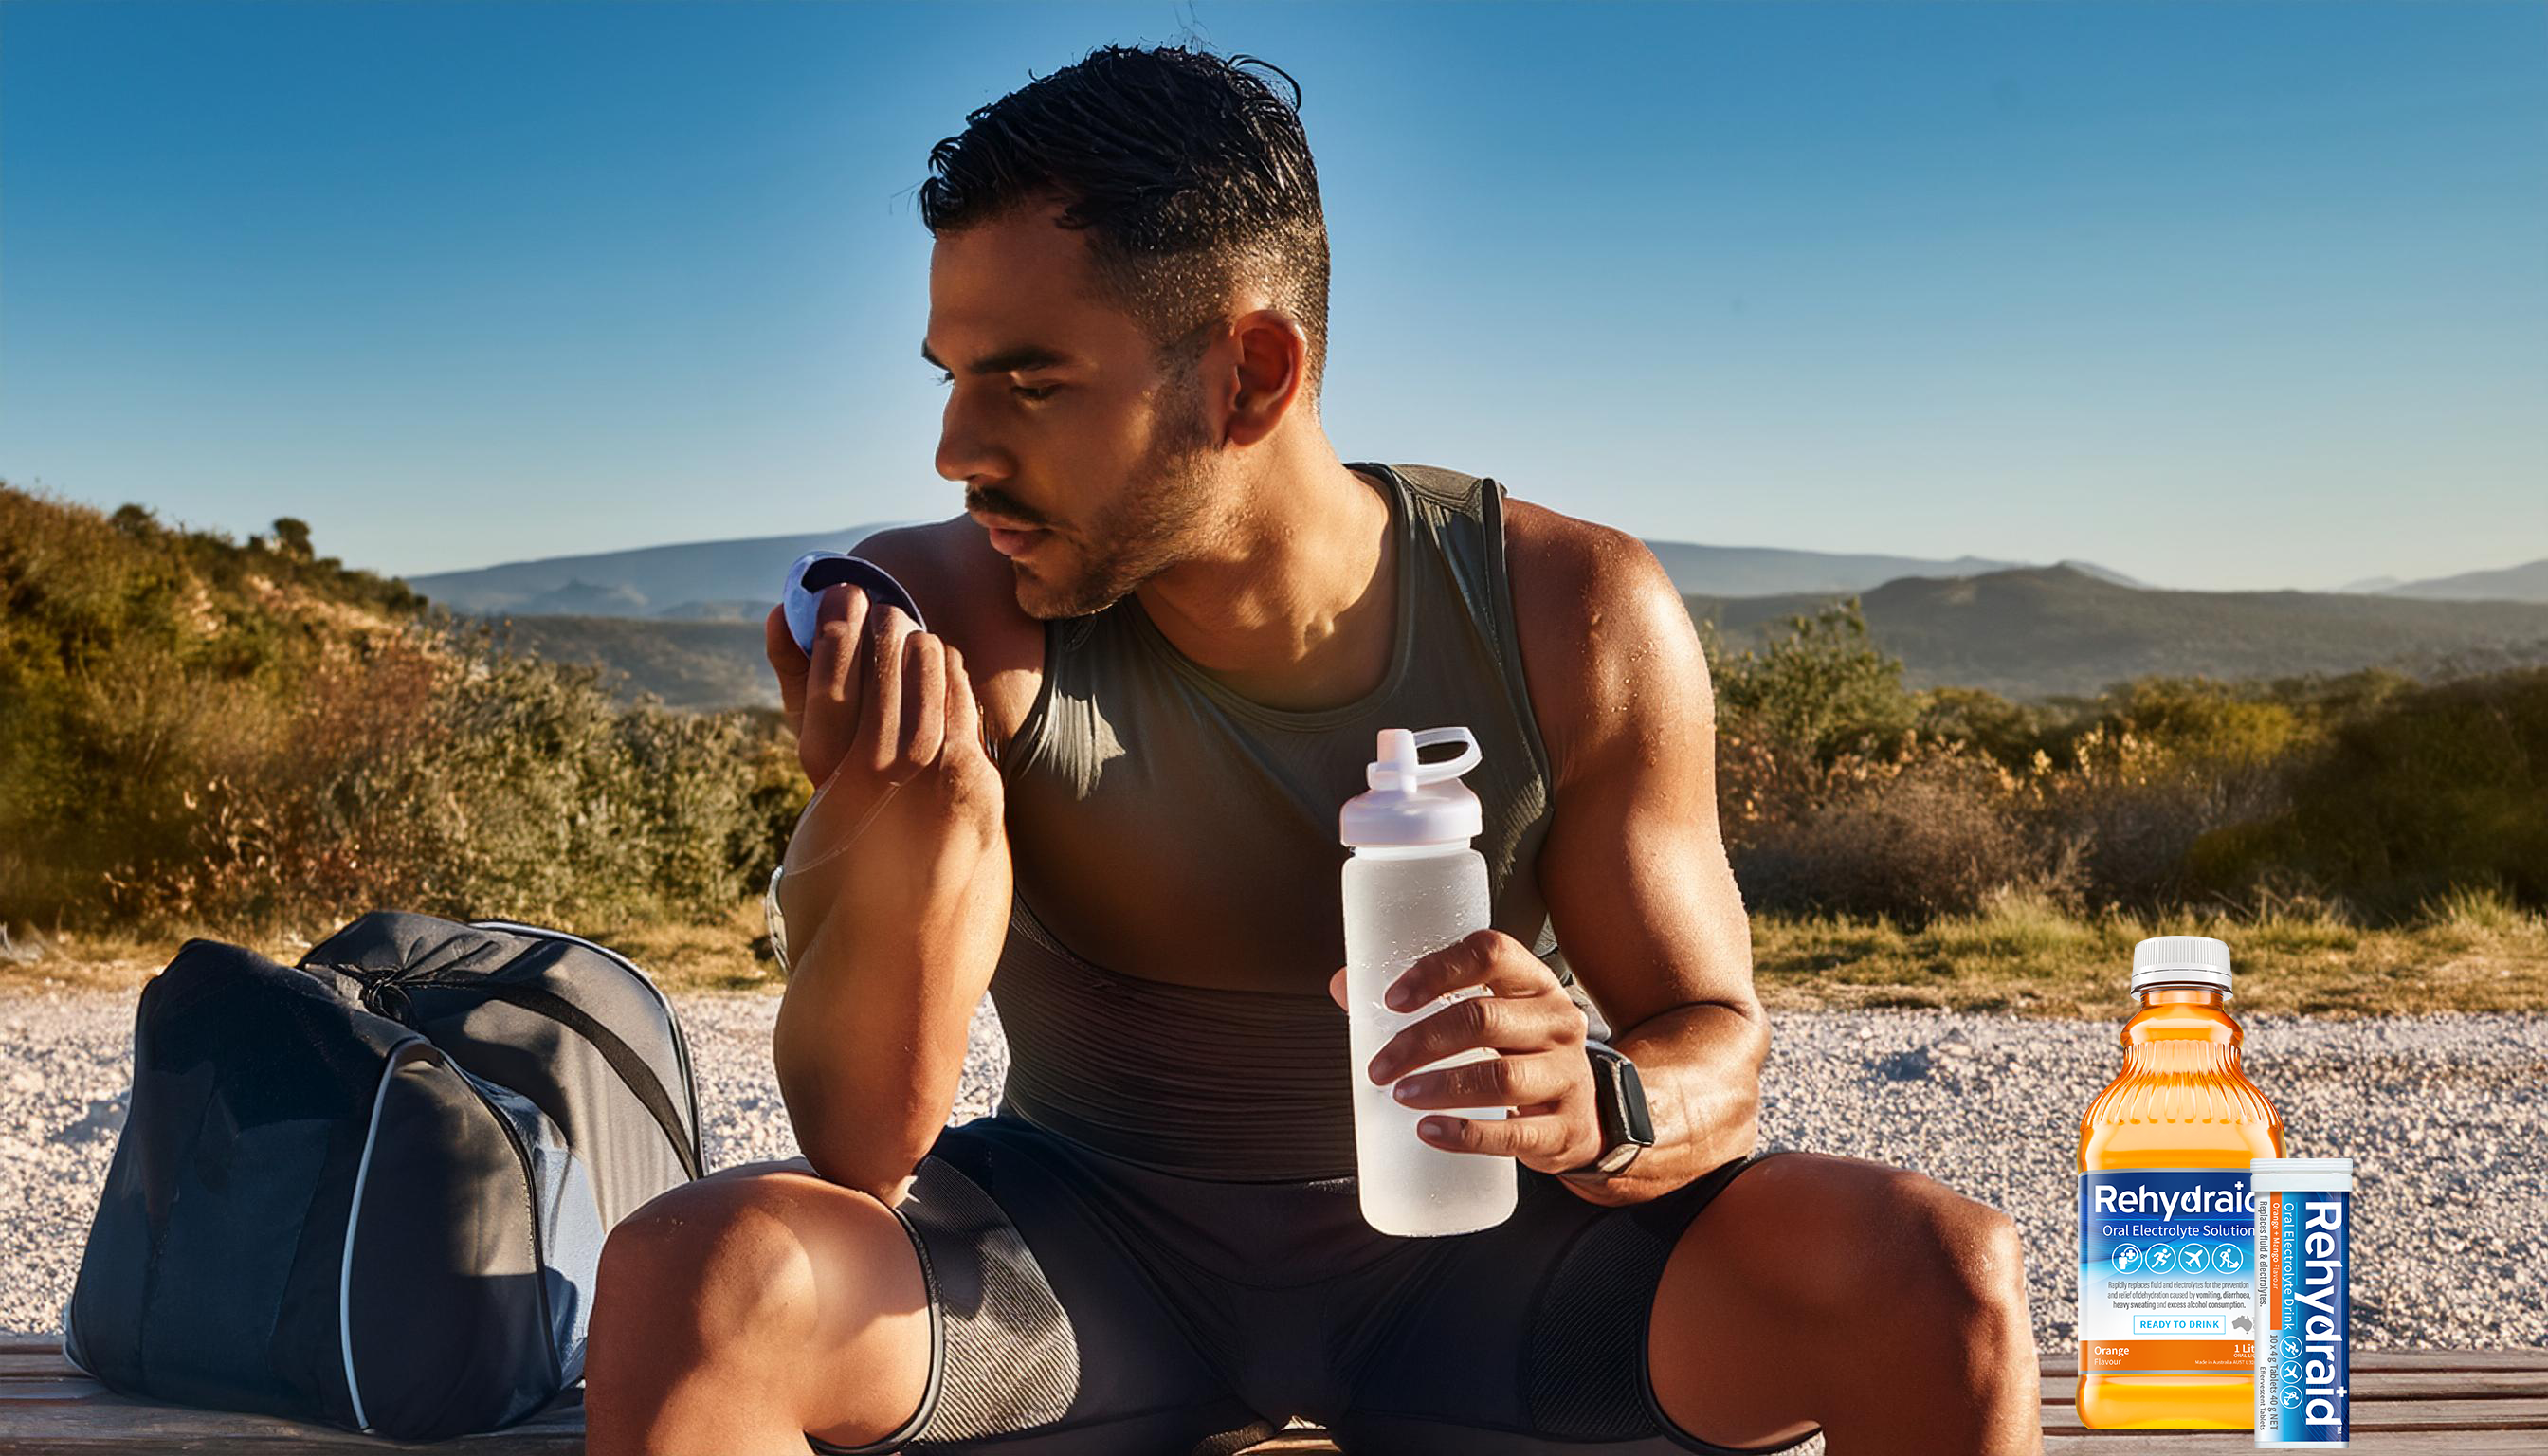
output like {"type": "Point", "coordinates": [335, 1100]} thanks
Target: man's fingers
{"type": "Point", "coordinates": [1486, 957]}
{"type": "Point", "coordinates": [1506, 1081]}
{"type": "Point", "coordinates": [832, 688]}
{"type": "Point", "coordinates": [877, 742]}
{"type": "Point", "coordinates": [1537, 1139]}
{"type": "Point", "coordinates": [1499, 1023]}
{"type": "Point", "coordinates": [1337, 987]}
{"type": "Point", "coordinates": [925, 682]}
{"type": "Point", "coordinates": [964, 713]}
{"type": "Point", "coordinates": [786, 660]}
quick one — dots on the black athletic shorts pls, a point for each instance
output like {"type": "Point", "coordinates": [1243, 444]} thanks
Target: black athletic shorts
{"type": "Point", "coordinates": [1085, 1306]}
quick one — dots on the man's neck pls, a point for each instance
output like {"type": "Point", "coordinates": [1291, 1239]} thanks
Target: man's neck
{"type": "Point", "coordinates": [1293, 608]}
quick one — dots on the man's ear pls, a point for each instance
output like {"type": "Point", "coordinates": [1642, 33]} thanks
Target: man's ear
{"type": "Point", "coordinates": [1273, 351]}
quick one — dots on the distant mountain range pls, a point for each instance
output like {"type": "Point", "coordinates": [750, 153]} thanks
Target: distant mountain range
{"type": "Point", "coordinates": [2528, 583]}
{"type": "Point", "coordinates": [2036, 633]}
{"type": "Point", "coordinates": [736, 580]}
{"type": "Point", "coordinates": [2052, 631]}
{"type": "Point", "coordinates": [1766, 571]}
{"type": "Point", "coordinates": [713, 580]}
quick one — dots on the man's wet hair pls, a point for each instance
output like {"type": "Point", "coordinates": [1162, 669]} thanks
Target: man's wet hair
{"type": "Point", "coordinates": [1189, 172]}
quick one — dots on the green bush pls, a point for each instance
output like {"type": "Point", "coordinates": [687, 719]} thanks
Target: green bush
{"type": "Point", "coordinates": [1840, 793]}
{"type": "Point", "coordinates": [195, 732]}
{"type": "Point", "coordinates": [1822, 690]}
{"type": "Point", "coordinates": [2439, 789]}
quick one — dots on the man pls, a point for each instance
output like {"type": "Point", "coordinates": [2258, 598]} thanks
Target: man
{"type": "Point", "coordinates": [1160, 645]}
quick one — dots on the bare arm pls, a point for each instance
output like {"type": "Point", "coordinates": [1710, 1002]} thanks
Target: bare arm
{"type": "Point", "coordinates": [895, 893]}
{"type": "Point", "coordinates": [1634, 868]}
{"type": "Point", "coordinates": [1636, 879]}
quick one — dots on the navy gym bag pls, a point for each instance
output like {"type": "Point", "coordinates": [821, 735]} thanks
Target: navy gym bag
{"type": "Point", "coordinates": [371, 1189]}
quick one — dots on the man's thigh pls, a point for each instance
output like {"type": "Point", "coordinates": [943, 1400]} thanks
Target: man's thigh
{"type": "Point", "coordinates": [1530, 1339]}
{"type": "Point", "coordinates": [1870, 1297]}
{"type": "Point", "coordinates": [1045, 1339]}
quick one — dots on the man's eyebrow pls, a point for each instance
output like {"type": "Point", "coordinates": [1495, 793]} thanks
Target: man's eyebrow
{"type": "Point", "coordinates": [1004, 361]}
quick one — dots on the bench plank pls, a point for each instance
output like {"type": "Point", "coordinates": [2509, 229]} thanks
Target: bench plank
{"type": "Point", "coordinates": [2471, 1403]}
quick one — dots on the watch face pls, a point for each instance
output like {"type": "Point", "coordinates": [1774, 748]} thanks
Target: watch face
{"type": "Point", "coordinates": [1641, 1123]}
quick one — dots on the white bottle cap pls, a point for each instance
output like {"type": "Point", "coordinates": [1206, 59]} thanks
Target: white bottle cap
{"type": "Point", "coordinates": [2301, 1174]}
{"type": "Point", "coordinates": [1412, 802]}
{"type": "Point", "coordinates": [2181, 960]}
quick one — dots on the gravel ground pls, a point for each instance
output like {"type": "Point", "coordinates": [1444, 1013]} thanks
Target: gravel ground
{"type": "Point", "coordinates": [2442, 1114]}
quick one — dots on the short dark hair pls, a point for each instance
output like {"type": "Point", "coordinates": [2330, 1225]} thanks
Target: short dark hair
{"type": "Point", "coordinates": [1189, 173]}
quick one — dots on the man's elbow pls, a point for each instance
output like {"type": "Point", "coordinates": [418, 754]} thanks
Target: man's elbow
{"type": "Point", "coordinates": [885, 1177]}
{"type": "Point", "coordinates": [855, 1132]}
{"type": "Point", "coordinates": [876, 1156]}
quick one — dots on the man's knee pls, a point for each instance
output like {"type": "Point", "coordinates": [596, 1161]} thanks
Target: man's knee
{"type": "Point", "coordinates": [745, 1254]}
{"type": "Point", "coordinates": [1966, 1253]}
{"type": "Point", "coordinates": [1889, 1241]}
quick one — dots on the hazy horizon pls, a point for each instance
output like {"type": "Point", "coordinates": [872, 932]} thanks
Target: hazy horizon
{"type": "Point", "coordinates": [2229, 295]}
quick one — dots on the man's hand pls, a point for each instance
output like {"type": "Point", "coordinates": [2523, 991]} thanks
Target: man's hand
{"type": "Point", "coordinates": [1539, 1069]}
{"type": "Point", "coordinates": [888, 730]}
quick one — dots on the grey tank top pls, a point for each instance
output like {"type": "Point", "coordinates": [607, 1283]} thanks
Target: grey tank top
{"type": "Point", "coordinates": [1178, 895]}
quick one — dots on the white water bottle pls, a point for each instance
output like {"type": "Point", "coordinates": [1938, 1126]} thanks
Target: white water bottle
{"type": "Point", "coordinates": [1412, 888]}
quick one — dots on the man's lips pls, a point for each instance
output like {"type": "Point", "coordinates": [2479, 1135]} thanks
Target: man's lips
{"type": "Point", "coordinates": [1010, 540]}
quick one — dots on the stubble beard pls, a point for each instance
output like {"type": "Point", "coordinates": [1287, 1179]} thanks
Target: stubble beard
{"type": "Point", "coordinates": [1150, 527]}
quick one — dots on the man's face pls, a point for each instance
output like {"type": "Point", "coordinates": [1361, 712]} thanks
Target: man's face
{"type": "Point", "coordinates": [1075, 431]}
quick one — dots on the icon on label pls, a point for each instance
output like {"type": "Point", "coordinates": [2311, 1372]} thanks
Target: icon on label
{"type": "Point", "coordinates": [2162, 1257]}
{"type": "Point", "coordinates": [2290, 1399]}
{"type": "Point", "coordinates": [2290, 1371]}
{"type": "Point", "coordinates": [2197, 1259]}
{"type": "Point", "coordinates": [2128, 1257]}
{"type": "Point", "coordinates": [2231, 1257]}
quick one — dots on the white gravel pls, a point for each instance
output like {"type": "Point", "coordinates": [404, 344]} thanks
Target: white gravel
{"type": "Point", "coordinates": [2443, 1116]}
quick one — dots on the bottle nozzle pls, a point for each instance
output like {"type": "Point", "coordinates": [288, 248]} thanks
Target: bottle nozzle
{"type": "Point", "coordinates": [1396, 764]}
{"type": "Point", "coordinates": [1413, 802]}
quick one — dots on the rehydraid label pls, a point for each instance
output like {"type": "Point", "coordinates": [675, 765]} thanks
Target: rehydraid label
{"type": "Point", "coordinates": [2303, 1258]}
{"type": "Point", "coordinates": [2164, 1271]}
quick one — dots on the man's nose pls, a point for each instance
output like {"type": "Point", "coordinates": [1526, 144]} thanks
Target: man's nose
{"type": "Point", "coordinates": [964, 452]}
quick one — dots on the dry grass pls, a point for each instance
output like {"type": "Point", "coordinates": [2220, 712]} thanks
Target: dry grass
{"type": "Point", "coordinates": [730, 955]}
{"type": "Point", "coordinates": [2469, 952]}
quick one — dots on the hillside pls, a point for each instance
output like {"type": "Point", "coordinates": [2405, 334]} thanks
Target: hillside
{"type": "Point", "coordinates": [717, 581]}
{"type": "Point", "coordinates": [688, 663]}
{"type": "Point", "coordinates": [203, 732]}
{"type": "Point", "coordinates": [2526, 583]}
{"type": "Point", "coordinates": [653, 581]}
{"type": "Point", "coordinates": [2057, 630]}
{"type": "Point", "coordinates": [2037, 633]}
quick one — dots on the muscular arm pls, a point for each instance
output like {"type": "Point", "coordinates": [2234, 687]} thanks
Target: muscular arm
{"type": "Point", "coordinates": [1633, 867]}
{"type": "Point", "coordinates": [892, 940]}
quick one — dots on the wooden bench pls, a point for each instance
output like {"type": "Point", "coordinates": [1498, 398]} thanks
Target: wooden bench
{"type": "Point", "coordinates": [2476, 1403]}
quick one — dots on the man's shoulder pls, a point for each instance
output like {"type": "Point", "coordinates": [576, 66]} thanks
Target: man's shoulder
{"type": "Point", "coordinates": [1584, 554]}
{"type": "Point", "coordinates": [1597, 615]}
{"type": "Point", "coordinates": [967, 594]}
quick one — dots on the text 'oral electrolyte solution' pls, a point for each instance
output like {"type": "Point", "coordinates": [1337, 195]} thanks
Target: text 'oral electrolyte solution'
{"type": "Point", "coordinates": [2303, 1261]}
{"type": "Point", "coordinates": [2166, 1209]}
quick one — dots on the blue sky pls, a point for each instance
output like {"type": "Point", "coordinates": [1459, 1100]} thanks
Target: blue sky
{"type": "Point", "coordinates": [2218, 295]}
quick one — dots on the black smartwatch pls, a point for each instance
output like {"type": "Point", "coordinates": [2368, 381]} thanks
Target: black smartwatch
{"type": "Point", "coordinates": [1626, 1128]}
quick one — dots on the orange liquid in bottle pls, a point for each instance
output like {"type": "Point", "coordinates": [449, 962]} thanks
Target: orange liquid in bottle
{"type": "Point", "coordinates": [2180, 1102]}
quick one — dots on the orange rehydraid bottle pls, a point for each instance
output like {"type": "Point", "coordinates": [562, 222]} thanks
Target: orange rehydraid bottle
{"type": "Point", "coordinates": [2166, 1220]}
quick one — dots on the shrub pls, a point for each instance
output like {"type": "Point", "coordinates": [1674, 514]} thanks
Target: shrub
{"type": "Point", "coordinates": [196, 732]}
{"type": "Point", "coordinates": [1940, 831]}
{"type": "Point", "coordinates": [2439, 789]}
{"type": "Point", "coordinates": [1821, 690]}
